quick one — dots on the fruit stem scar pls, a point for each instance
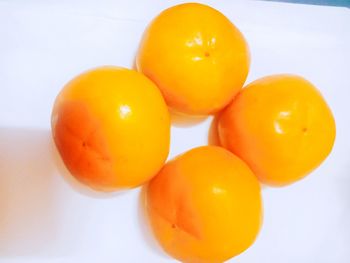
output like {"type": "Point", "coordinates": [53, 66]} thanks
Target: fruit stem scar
{"type": "Point", "coordinates": [176, 226]}
{"type": "Point", "coordinates": [85, 144]}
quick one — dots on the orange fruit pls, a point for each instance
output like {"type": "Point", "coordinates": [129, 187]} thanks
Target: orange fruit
{"type": "Point", "coordinates": [196, 56]}
{"type": "Point", "coordinates": [112, 128]}
{"type": "Point", "coordinates": [280, 126]}
{"type": "Point", "coordinates": [205, 206]}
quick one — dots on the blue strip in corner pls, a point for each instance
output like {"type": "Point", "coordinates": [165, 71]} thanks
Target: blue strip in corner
{"type": "Point", "coordinates": [345, 3]}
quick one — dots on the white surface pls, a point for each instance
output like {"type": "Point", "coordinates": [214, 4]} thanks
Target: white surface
{"type": "Point", "coordinates": [46, 217]}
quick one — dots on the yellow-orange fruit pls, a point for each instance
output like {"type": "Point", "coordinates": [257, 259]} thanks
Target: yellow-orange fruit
{"type": "Point", "coordinates": [205, 206]}
{"type": "Point", "coordinates": [112, 128]}
{"type": "Point", "coordinates": [280, 126]}
{"type": "Point", "coordinates": [196, 56]}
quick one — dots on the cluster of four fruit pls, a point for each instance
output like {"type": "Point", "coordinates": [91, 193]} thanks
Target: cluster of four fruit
{"type": "Point", "coordinates": [112, 128]}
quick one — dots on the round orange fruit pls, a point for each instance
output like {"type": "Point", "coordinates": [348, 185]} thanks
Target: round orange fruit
{"type": "Point", "coordinates": [112, 128]}
{"type": "Point", "coordinates": [205, 206]}
{"type": "Point", "coordinates": [280, 126]}
{"type": "Point", "coordinates": [196, 56]}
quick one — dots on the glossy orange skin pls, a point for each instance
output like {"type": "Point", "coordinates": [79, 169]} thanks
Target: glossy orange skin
{"type": "Point", "coordinates": [112, 128]}
{"type": "Point", "coordinates": [205, 206]}
{"type": "Point", "coordinates": [196, 56]}
{"type": "Point", "coordinates": [280, 126]}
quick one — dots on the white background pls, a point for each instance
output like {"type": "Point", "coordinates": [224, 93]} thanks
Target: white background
{"type": "Point", "coordinates": [45, 216]}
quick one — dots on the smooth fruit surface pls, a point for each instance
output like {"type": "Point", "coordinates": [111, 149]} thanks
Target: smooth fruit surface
{"type": "Point", "coordinates": [112, 128]}
{"type": "Point", "coordinates": [196, 56]}
{"type": "Point", "coordinates": [205, 206]}
{"type": "Point", "coordinates": [280, 126]}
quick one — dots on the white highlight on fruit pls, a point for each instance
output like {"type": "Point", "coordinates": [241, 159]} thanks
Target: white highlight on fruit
{"type": "Point", "coordinates": [283, 115]}
{"type": "Point", "coordinates": [195, 41]}
{"type": "Point", "coordinates": [124, 111]}
{"type": "Point", "coordinates": [218, 190]}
